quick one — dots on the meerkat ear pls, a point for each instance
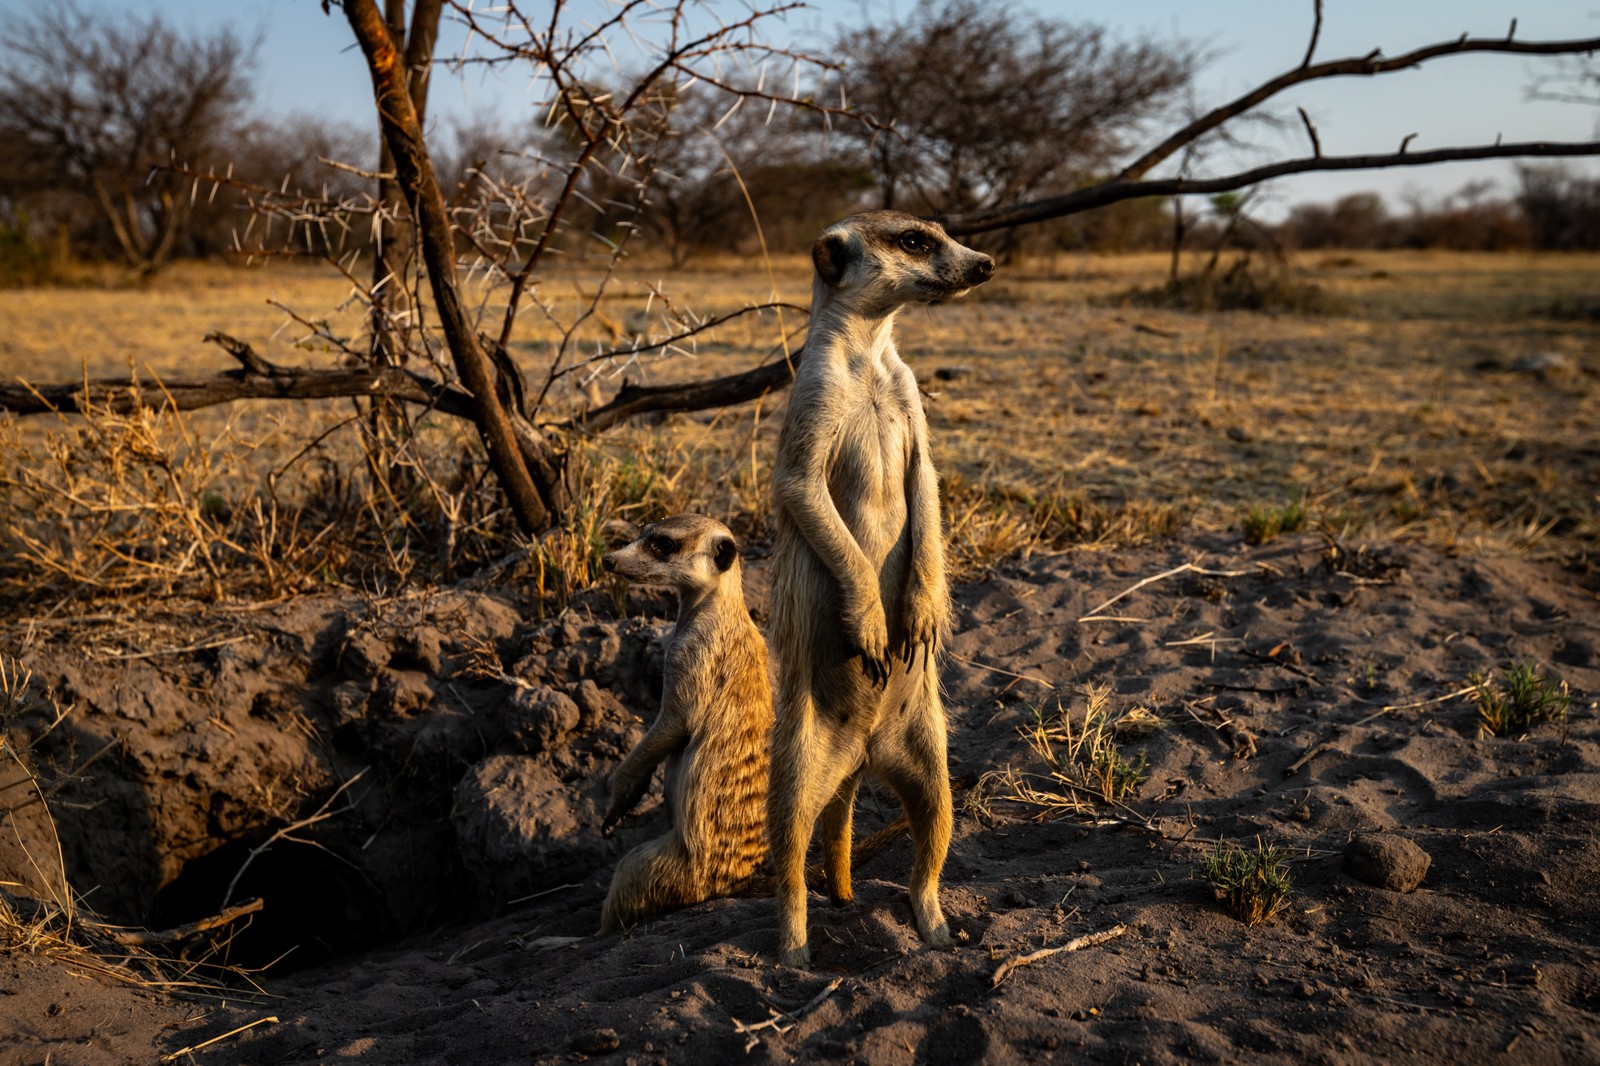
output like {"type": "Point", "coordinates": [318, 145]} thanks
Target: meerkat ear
{"type": "Point", "coordinates": [832, 256]}
{"type": "Point", "coordinates": [724, 552]}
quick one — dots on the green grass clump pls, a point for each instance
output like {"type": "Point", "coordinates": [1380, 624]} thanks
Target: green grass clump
{"type": "Point", "coordinates": [1264, 522]}
{"type": "Point", "coordinates": [1520, 699]}
{"type": "Point", "coordinates": [1253, 884]}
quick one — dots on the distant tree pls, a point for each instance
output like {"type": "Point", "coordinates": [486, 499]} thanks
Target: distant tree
{"type": "Point", "coordinates": [92, 105]}
{"type": "Point", "coordinates": [718, 165]}
{"type": "Point", "coordinates": [988, 105]}
{"type": "Point", "coordinates": [1563, 209]}
{"type": "Point", "coordinates": [1359, 220]}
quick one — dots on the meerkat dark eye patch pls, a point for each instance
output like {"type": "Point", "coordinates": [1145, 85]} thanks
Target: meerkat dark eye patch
{"type": "Point", "coordinates": [916, 242]}
{"type": "Point", "coordinates": [724, 552]}
{"type": "Point", "coordinates": [662, 545]}
{"type": "Point", "coordinates": [832, 256]}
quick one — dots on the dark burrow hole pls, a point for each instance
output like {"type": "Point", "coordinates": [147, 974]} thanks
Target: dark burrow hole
{"type": "Point", "coordinates": [316, 907]}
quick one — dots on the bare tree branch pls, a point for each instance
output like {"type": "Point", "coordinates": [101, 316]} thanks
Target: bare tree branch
{"type": "Point", "coordinates": [258, 379]}
{"type": "Point", "coordinates": [1111, 192]}
{"type": "Point", "coordinates": [1316, 32]}
{"type": "Point", "coordinates": [633, 400]}
{"type": "Point", "coordinates": [1364, 66]}
{"type": "Point", "coordinates": [1311, 131]}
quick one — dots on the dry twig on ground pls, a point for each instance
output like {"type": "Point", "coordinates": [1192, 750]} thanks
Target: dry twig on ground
{"type": "Point", "coordinates": [1088, 940]}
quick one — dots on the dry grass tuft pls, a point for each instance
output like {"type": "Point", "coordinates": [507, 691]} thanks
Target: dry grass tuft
{"type": "Point", "coordinates": [1084, 768]}
{"type": "Point", "coordinates": [991, 522]}
{"type": "Point", "coordinates": [112, 506]}
{"type": "Point", "coordinates": [1253, 884]}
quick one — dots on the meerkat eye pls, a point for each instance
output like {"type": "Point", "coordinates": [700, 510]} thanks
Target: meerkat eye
{"type": "Point", "coordinates": [915, 242]}
{"type": "Point", "coordinates": [662, 545]}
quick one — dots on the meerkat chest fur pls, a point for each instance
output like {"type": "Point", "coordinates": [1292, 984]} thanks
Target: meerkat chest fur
{"type": "Point", "coordinates": [873, 445]}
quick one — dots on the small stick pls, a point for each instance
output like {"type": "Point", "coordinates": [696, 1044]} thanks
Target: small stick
{"type": "Point", "coordinates": [775, 1023]}
{"type": "Point", "coordinates": [1186, 568]}
{"type": "Point", "coordinates": [1088, 940]}
{"type": "Point", "coordinates": [546, 892]}
{"type": "Point", "coordinates": [1271, 659]}
{"type": "Point", "coordinates": [1007, 673]}
{"type": "Point", "coordinates": [1294, 767]}
{"type": "Point", "coordinates": [176, 1055]}
{"type": "Point", "coordinates": [201, 646]}
{"type": "Point", "coordinates": [1381, 711]}
{"type": "Point", "coordinates": [321, 814]}
{"type": "Point", "coordinates": [148, 938]}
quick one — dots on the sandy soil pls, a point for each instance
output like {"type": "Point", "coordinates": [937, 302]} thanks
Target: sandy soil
{"type": "Point", "coordinates": [467, 834]}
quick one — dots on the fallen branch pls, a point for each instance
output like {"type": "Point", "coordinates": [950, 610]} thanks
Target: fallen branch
{"type": "Point", "coordinates": [725, 391]}
{"type": "Point", "coordinates": [257, 379]}
{"type": "Point", "coordinates": [144, 938]}
{"type": "Point", "coordinates": [1088, 940]}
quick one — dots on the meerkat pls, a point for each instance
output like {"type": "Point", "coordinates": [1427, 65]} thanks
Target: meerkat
{"type": "Point", "coordinates": [713, 729]}
{"type": "Point", "coordinates": [860, 600]}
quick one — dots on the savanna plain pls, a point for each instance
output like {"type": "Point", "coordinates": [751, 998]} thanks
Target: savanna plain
{"type": "Point", "coordinates": [1272, 686]}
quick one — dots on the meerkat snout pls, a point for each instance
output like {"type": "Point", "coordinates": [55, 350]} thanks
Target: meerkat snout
{"type": "Point", "coordinates": [980, 271]}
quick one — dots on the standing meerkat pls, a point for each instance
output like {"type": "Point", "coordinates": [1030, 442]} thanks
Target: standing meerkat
{"type": "Point", "coordinates": [860, 600]}
{"type": "Point", "coordinates": [713, 729]}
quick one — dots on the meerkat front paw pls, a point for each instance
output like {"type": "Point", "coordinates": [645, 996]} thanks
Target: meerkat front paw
{"type": "Point", "coordinates": [921, 628]}
{"type": "Point", "coordinates": [939, 936]}
{"type": "Point", "coordinates": [868, 632]}
{"type": "Point", "coordinates": [625, 796]}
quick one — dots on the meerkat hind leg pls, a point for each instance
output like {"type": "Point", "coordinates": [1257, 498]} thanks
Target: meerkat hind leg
{"type": "Point", "coordinates": [836, 827]}
{"type": "Point", "coordinates": [803, 782]}
{"type": "Point", "coordinates": [914, 765]}
{"type": "Point", "coordinates": [653, 877]}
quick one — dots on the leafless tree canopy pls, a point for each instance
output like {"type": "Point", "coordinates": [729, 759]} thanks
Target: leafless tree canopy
{"type": "Point", "coordinates": [987, 105]}
{"type": "Point", "coordinates": [90, 106]}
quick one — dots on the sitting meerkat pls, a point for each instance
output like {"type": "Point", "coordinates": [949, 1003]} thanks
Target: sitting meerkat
{"type": "Point", "coordinates": [713, 729]}
{"type": "Point", "coordinates": [860, 600]}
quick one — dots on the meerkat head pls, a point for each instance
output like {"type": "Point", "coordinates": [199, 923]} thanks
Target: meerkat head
{"type": "Point", "coordinates": [882, 260]}
{"type": "Point", "coordinates": [690, 552]}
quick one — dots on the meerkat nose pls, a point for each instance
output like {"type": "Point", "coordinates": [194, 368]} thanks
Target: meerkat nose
{"type": "Point", "coordinates": [980, 271]}
{"type": "Point", "coordinates": [609, 563]}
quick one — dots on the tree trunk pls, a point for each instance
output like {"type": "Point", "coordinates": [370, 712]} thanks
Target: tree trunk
{"type": "Point", "coordinates": [536, 503]}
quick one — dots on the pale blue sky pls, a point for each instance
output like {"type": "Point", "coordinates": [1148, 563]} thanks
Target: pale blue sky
{"type": "Point", "coordinates": [307, 64]}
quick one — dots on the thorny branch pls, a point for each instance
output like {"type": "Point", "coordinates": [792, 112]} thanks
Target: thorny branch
{"type": "Point", "coordinates": [286, 834]}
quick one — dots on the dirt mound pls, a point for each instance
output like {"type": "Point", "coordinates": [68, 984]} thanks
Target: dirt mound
{"type": "Point", "coordinates": [1299, 697]}
{"type": "Point", "coordinates": [324, 756]}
